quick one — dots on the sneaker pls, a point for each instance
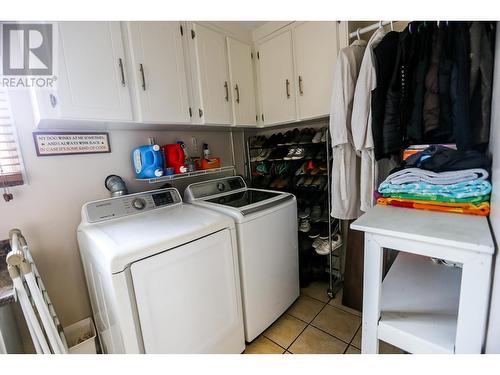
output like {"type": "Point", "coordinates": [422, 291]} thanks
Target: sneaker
{"type": "Point", "coordinates": [317, 242]}
{"type": "Point", "coordinates": [314, 231]}
{"type": "Point", "coordinates": [270, 142]}
{"type": "Point", "coordinates": [304, 212]}
{"type": "Point", "coordinates": [301, 181]}
{"type": "Point", "coordinates": [299, 153]}
{"type": "Point", "coordinates": [302, 169]}
{"type": "Point", "coordinates": [307, 135]}
{"type": "Point", "coordinates": [304, 226]}
{"type": "Point", "coordinates": [323, 137]}
{"type": "Point", "coordinates": [324, 216]}
{"type": "Point", "coordinates": [297, 136]}
{"type": "Point", "coordinates": [315, 214]}
{"type": "Point", "coordinates": [262, 168]}
{"type": "Point", "coordinates": [322, 248]}
{"type": "Point", "coordinates": [287, 137]}
{"type": "Point", "coordinates": [263, 155]}
{"type": "Point", "coordinates": [292, 137]}
{"type": "Point", "coordinates": [309, 154]}
{"type": "Point", "coordinates": [317, 136]}
{"type": "Point", "coordinates": [290, 154]}
{"type": "Point", "coordinates": [254, 154]}
{"type": "Point", "coordinates": [321, 155]}
{"type": "Point", "coordinates": [316, 184]}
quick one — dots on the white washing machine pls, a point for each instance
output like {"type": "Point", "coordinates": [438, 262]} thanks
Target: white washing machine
{"type": "Point", "coordinates": [162, 275]}
{"type": "Point", "coordinates": [266, 224]}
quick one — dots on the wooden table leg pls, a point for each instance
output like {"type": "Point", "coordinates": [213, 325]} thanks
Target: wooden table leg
{"type": "Point", "coordinates": [372, 283]}
{"type": "Point", "coordinates": [473, 306]}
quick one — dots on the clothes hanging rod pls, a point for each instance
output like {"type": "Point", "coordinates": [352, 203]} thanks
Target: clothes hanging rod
{"type": "Point", "coordinates": [367, 29]}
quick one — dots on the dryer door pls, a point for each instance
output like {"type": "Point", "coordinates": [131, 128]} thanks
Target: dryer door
{"type": "Point", "coordinates": [188, 298]}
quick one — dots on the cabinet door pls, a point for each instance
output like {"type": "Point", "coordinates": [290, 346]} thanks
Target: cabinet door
{"type": "Point", "coordinates": [91, 73]}
{"type": "Point", "coordinates": [276, 79]}
{"type": "Point", "coordinates": [212, 76]}
{"type": "Point", "coordinates": [159, 71]}
{"type": "Point", "coordinates": [316, 48]}
{"type": "Point", "coordinates": [242, 83]}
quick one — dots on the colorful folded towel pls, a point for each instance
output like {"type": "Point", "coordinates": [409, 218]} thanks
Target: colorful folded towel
{"type": "Point", "coordinates": [466, 189]}
{"type": "Point", "coordinates": [437, 198]}
{"type": "Point", "coordinates": [412, 175]}
{"type": "Point", "coordinates": [481, 209]}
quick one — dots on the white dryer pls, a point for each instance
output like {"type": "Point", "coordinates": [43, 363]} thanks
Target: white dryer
{"type": "Point", "coordinates": [266, 224]}
{"type": "Point", "coordinates": [162, 275]}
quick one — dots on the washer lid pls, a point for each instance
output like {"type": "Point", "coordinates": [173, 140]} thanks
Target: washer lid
{"type": "Point", "coordinates": [243, 198]}
{"type": "Point", "coordinates": [122, 241]}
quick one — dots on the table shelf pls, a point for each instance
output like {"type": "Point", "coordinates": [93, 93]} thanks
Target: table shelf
{"type": "Point", "coordinates": [419, 305]}
{"type": "Point", "coordinates": [187, 175]}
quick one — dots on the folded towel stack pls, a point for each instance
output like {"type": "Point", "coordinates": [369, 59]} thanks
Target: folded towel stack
{"type": "Point", "coordinates": [444, 188]}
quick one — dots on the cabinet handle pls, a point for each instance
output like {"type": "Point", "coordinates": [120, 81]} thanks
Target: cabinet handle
{"type": "Point", "coordinates": [287, 86]}
{"type": "Point", "coordinates": [141, 69]}
{"type": "Point", "coordinates": [237, 93]}
{"type": "Point", "coordinates": [120, 64]}
{"type": "Point", "coordinates": [227, 91]}
{"type": "Point", "coordinates": [301, 89]}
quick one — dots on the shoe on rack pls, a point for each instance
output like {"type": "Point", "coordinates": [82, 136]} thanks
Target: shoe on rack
{"type": "Point", "coordinates": [315, 171]}
{"type": "Point", "coordinates": [318, 135]}
{"type": "Point", "coordinates": [264, 154]}
{"type": "Point", "coordinates": [294, 135]}
{"type": "Point", "coordinates": [307, 183]}
{"type": "Point", "coordinates": [262, 168]}
{"type": "Point", "coordinates": [270, 142]}
{"type": "Point", "coordinates": [302, 169]}
{"type": "Point", "coordinates": [317, 242]}
{"type": "Point", "coordinates": [284, 183]}
{"type": "Point", "coordinates": [315, 214]}
{"type": "Point", "coordinates": [310, 153]}
{"type": "Point", "coordinates": [297, 136]}
{"type": "Point", "coordinates": [290, 154]}
{"type": "Point", "coordinates": [278, 140]}
{"type": "Point", "coordinates": [304, 212]}
{"type": "Point", "coordinates": [323, 247]}
{"type": "Point", "coordinates": [273, 184]}
{"type": "Point", "coordinates": [304, 226]}
{"type": "Point", "coordinates": [299, 153]}
{"type": "Point", "coordinates": [285, 139]}
{"type": "Point", "coordinates": [254, 154]}
{"type": "Point", "coordinates": [324, 216]}
{"type": "Point", "coordinates": [307, 135]}
{"type": "Point", "coordinates": [323, 137]}
{"type": "Point", "coordinates": [301, 181]}
{"type": "Point", "coordinates": [321, 154]}
{"type": "Point", "coordinates": [323, 183]}
{"type": "Point", "coordinates": [314, 231]}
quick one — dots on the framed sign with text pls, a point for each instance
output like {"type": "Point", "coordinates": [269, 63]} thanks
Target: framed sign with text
{"type": "Point", "coordinates": [70, 143]}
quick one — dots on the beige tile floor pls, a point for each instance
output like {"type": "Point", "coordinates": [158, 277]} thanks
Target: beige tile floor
{"type": "Point", "coordinates": [315, 324]}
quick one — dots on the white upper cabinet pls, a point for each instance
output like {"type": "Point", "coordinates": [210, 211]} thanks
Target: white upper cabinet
{"type": "Point", "coordinates": [158, 71]}
{"type": "Point", "coordinates": [91, 75]}
{"type": "Point", "coordinates": [242, 82]}
{"type": "Point", "coordinates": [277, 84]}
{"type": "Point", "coordinates": [210, 76]}
{"type": "Point", "coordinates": [316, 48]}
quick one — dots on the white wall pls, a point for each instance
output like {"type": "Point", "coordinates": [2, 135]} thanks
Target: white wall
{"type": "Point", "coordinates": [47, 210]}
{"type": "Point", "coordinates": [493, 337]}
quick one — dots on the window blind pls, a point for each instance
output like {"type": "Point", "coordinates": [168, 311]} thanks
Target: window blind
{"type": "Point", "coordinates": [10, 159]}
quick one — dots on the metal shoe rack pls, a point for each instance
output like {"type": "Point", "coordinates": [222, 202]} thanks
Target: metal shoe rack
{"type": "Point", "coordinates": [335, 273]}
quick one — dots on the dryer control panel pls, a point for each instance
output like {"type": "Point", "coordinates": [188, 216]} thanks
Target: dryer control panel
{"type": "Point", "coordinates": [126, 205]}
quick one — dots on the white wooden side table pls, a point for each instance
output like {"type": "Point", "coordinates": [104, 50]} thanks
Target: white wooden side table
{"type": "Point", "coordinates": [422, 306]}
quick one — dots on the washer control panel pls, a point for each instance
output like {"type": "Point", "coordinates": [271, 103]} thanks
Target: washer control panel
{"type": "Point", "coordinates": [126, 205]}
{"type": "Point", "coordinates": [213, 187]}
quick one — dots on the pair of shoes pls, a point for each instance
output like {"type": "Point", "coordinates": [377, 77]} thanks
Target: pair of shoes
{"type": "Point", "coordinates": [307, 135]}
{"type": "Point", "coordinates": [302, 169]}
{"type": "Point", "coordinates": [304, 213]}
{"type": "Point", "coordinates": [295, 153]}
{"type": "Point", "coordinates": [322, 246]}
{"type": "Point", "coordinates": [288, 138]}
{"type": "Point", "coordinates": [304, 225]}
{"type": "Point", "coordinates": [263, 155]}
{"type": "Point", "coordinates": [257, 141]}
{"type": "Point", "coordinates": [262, 168]}
{"type": "Point", "coordinates": [320, 136]}
{"type": "Point", "coordinates": [278, 154]}
{"type": "Point", "coordinates": [316, 213]}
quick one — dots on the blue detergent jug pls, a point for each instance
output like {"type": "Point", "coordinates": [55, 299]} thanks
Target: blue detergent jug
{"type": "Point", "coordinates": [148, 161]}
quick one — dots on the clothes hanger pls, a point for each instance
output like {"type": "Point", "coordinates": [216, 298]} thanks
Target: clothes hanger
{"type": "Point", "coordinates": [380, 25]}
{"type": "Point", "coordinates": [357, 33]}
{"type": "Point", "coordinates": [392, 26]}
{"type": "Point", "coordinates": [409, 28]}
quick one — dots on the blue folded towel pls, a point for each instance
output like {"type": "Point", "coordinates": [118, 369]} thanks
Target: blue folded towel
{"type": "Point", "coordinates": [466, 189]}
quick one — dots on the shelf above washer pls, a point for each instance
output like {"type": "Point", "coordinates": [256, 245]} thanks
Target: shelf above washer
{"type": "Point", "coordinates": [187, 174]}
